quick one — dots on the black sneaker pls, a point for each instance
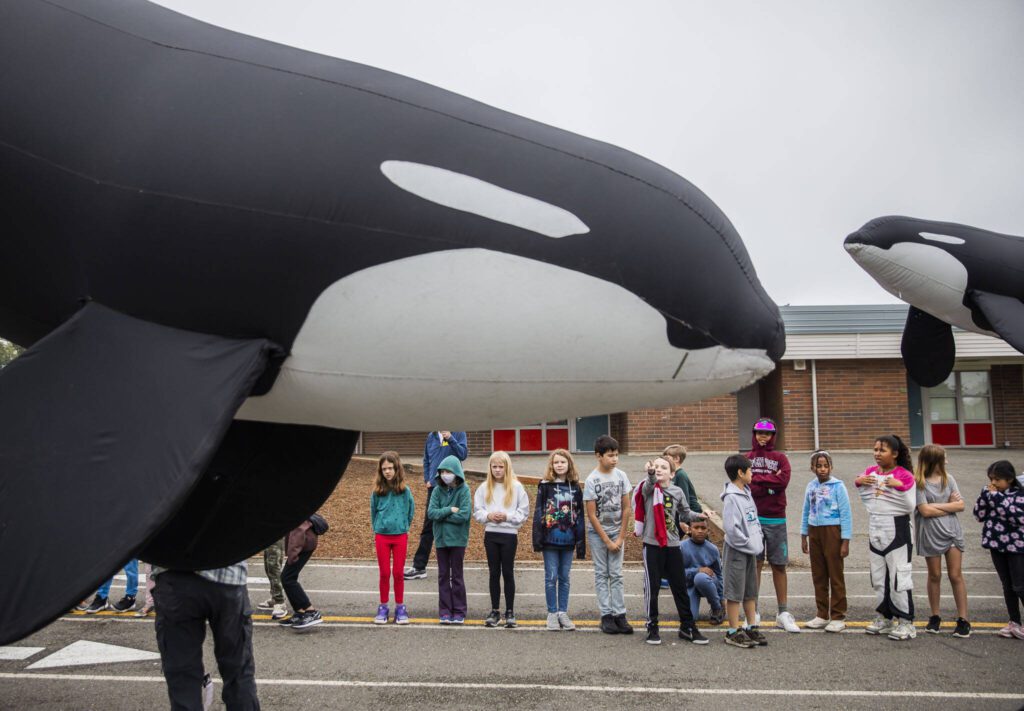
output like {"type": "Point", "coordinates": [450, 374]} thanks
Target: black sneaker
{"type": "Point", "coordinates": [493, 619]}
{"type": "Point", "coordinates": [98, 604]}
{"type": "Point", "coordinates": [756, 636]}
{"type": "Point", "coordinates": [934, 623]}
{"type": "Point", "coordinates": [125, 604]}
{"type": "Point", "coordinates": [740, 638]}
{"type": "Point", "coordinates": [621, 624]}
{"type": "Point", "coordinates": [510, 619]}
{"type": "Point", "coordinates": [691, 634]}
{"type": "Point", "coordinates": [289, 621]}
{"type": "Point", "coordinates": [652, 635]}
{"type": "Point", "coordinates": [963, 628]}
{"type": "Point", "coordinates": [414, 574]}
{"type": "Point", "coordinates": [307, 620]}
{"type": "Point", "coordinates": [718, 616]}
{"type": "Point", "coordinates": [608, 625]}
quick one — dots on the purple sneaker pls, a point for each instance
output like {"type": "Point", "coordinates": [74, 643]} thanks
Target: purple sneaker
{"type": "Point", "coordinates": [445, 619]}
{"type": "Point", "coordinates": [401, 615]}
{"type": "Point", "coordinates": [382, 615]}
{"type": "Point", "coordinates": [459, 619]}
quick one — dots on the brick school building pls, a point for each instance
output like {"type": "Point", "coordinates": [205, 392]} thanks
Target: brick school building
{"type": "Point", "coordinates": [840, 384]}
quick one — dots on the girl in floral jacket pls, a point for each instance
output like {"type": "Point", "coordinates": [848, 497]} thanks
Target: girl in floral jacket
{"type": "Point", "coordinates": [1000, 510]}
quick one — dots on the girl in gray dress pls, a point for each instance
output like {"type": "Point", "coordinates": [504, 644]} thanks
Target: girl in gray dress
{"type": "Point", "coordinates": [938, 534]}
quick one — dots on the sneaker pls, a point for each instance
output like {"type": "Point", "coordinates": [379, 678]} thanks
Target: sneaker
{"type": "Point", "coordinates": [414, 574]}
{"type": "Point", "coordinates": [267, 604]}
{"type": "Point", "coordinates": [652, 635]}
{"type": "Point", "coordinates": [445, 619]}
{"type": "Point", "coordinates": [207, 692]}
{"type": "Point", "coordinates": [1018, 632]}
{"type": "Point", "coordinates": [664, 584]}
{"type": "Point", "coordinates": [757, 637]}
{"type": "Point", "coordinates": [880, 625]}
{"type": "Point", "coordinates": [401, 615]}
{"type": "Point", "coordinates": [903, 631]}
{"type": "Point", "coordinates": [458, 619]}
{"type": "Point", "coordinates": [692, 634]}
{"type": "Point", "coordinates": [717, 616]}
{"type": "Point", "coordinates": [816, 623]}
{"type": "Point", "coordinates": [98, 604]}
{"type": "Point", "coordinates": [493, 619]}
{"type": "Point", "coordinates": [608, 625]}
{"type": "Point", "coordinates": [554, 626]}
{"type": "Point", "coordinates": [963, 628]}
{"type": "Point", "coordinates": [510, 620]}
{"type": "Point", "coordinates": [383, 612]}
{"type": "Point", "coordinates": [739, 638]}
{"type": "Point", "coordinates": [125, 604]}
{"type": "Point", "coordinates": [836, 626]}
{"type": "Point", "coordinates": [289, 621]}
{"type": "Point", "coordinates": [145, 611]}
{"type": "Point", "coordinates": [83, 605]}
{"type": "Point", "coordinates": [623, 626]}
{"type": "Point", "coordinates": [564, 622]}
{"type": "Point", "coordinates": [934, 623]}
{"type": "Point", "coordinates": [1008, 630]}
{"type": "Point", "coordinates": [279, 612]}
{"type": "Point", "coordinates": [307, 619]}
{"type": "Point", "coordinates": [785, 621]}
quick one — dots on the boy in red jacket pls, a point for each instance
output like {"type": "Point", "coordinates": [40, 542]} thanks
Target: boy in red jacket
{"type": "Point", "coordinates": [771, 472]}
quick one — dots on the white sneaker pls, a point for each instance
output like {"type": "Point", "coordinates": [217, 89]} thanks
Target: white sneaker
{"type": "Point", "coordinates": [267, 604]}
{"type": "Point", "coordinates": [785, 621]}
{"type": "Point", "coordinates": [565, 622]}
{"type": "Point", "coordinates": [836, 626]}
{"type": "Point", "coordinates": [816, 624]}
{"type": "Point", "coordinates": [904, 630]}
{"type": "Point", "coordinates": [553, 625]}
{"type": "Point", "coordinates": [279, 612]}
{"type": "Point", "coordinates": [880, 626]}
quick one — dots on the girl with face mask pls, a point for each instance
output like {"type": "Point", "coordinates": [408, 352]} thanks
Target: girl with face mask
{"type": "Point", "coordinates": [450, 509]}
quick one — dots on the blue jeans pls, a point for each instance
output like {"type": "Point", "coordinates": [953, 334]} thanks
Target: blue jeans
{"type": "Point", "coordinates": [611, 599]}
{"type": "Point", "coordinates": [131, 570]}
{"type": "Point", "coordinates": [707, 587]}
{"type": "Point", "coordinates": [557, 564]}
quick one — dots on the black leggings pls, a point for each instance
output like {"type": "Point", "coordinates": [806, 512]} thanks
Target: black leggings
{"type": "Point", "coordinates": [1010, 567]}
{"type": "Point", "coordinates": [290, 581]}
{"type": "Point", "coordinates": [501, 557]}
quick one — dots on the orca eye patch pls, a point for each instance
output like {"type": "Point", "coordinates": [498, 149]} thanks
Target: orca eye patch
{"type": "Point", "coordinates": [945, 239]}
{"type": "Point", "coordinates": [469, 194]}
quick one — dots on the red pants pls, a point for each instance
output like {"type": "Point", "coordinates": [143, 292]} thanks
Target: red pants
{"type": "Point", "coordinates": [391, 561]}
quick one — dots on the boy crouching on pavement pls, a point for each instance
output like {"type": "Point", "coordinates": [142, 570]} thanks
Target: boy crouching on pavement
{"type": "Point", "coordinates": [743, 543]}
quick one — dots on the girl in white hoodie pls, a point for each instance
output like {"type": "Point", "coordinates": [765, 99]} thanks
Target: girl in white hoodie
{"type": "Point", "coordinates": [501, 504]}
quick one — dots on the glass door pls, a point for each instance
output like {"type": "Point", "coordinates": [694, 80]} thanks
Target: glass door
{"type": "Point", "coordinates": [960, 411]}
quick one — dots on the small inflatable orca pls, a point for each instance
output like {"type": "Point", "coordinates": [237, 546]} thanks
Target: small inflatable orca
{"type": "Point", "coordinates": [229, 256]}
{"type": "Point", "coordinates": [951, 275]}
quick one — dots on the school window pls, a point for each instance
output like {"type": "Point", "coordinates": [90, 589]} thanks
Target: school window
{"type": "Point", "coordinates": [960, 410]}
{"type": "Point", "coordinates": [533, 438]}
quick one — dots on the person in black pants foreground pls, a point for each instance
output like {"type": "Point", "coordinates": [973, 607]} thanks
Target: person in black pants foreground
{"type": "Point", "coordinates": [185, 601]}
{"type": "Point", "coordinates": [299, 546]}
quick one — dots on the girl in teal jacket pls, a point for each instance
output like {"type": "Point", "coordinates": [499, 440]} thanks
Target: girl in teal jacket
{"type": "Point", "coordinates": [451, 509]}
{"type": "Point", "coordinates": [391, 512]}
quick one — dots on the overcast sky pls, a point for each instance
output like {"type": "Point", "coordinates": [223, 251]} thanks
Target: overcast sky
{"type": "Point", "coordinates": [801, 120]}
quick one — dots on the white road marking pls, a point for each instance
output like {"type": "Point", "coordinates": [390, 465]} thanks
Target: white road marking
{"type": "Point", "coordinates": [15, 653]}
{"type": "Point", "coordinates": [580, 569]}
{"type": "Point", "coordinates": [559, 688]}
{"type": "Point", "coordinates": [84, 652]}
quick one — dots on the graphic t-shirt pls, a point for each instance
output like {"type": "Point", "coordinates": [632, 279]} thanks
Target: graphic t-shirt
{"type": "Point", "coordinates": [559, 517]}
{"type": "Point", "coordinates": [607, 490]}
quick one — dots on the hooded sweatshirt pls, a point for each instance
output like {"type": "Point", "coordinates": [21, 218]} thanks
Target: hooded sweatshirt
{"type": "Point", "coordinates": [558, 518]}
{"type": "Point", "coordinates": [515, 513]}
{"type": "Point", "coordinates": [435, 450]}
{"type": "Point", "coordinates": [451, 530]}
{"type": "Point", "coordinates": [771, 472]}
{"type": "Point", "coordinates": [827, 504]}
{"type": "Point", "coordinates": [739, 519]}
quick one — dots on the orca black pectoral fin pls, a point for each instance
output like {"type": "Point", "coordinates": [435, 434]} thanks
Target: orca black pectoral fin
{"type": "Point", "coordinates": [106, 426]}
{"type": "Point", "coordinates": [264, 480]}
{"type": "Point", "coordinates": [928, 348]}
{"type": "Point", "coordinates": [1004, 313]}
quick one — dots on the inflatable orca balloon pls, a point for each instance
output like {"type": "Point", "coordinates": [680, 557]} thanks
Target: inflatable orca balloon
{"type": "Point", "coordinates": [229, 256]}
{"type": "Point", "coordinates": [951, 275]}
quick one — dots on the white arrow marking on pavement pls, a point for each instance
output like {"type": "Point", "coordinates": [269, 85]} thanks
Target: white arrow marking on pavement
{"type": "Point", "coordinates": [9, 653]}
{"type": "Point", "coordinates": [83, 652]}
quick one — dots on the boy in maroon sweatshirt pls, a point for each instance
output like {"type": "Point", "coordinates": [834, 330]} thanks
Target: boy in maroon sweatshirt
{"type": "Point", "coordinates": [771, 474]}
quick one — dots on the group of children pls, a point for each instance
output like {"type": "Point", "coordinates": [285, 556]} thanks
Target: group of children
{"type": "Point", "coordinates": [665, 509]}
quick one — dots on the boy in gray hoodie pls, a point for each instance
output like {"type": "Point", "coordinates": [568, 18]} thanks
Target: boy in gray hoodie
{"type": "Point", "coordinates": [743, 543]}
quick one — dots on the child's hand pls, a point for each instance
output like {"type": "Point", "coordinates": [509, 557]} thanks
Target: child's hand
{"type": "Point", "coordinates": [955, 496]}
{"type": "Point", "coordinates": [992, 488]}
{"type": "Point", "coordinates": [615, 545]}
{"type": "Point", "coordinates": [707, 571]}
{"type": "Point", "coordinates": [455, 509]}
{"type": "Point", "coordinates": [683, 528]}
{"type": "Point", "coordinates": [803, 545]}
{"type": "Point", "coordinates": [864, 479]}
{"type": "Point", "coordinates": [844, 549]}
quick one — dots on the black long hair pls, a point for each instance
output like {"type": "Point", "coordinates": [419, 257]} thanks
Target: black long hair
{"type": "Point", "coordinates": [1003, 469]}
{"type": "Point", "coordinates": [896, 444]}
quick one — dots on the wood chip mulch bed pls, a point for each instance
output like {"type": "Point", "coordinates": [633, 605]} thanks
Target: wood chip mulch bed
{"type": "Point", "coordinates": [351, 535]}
